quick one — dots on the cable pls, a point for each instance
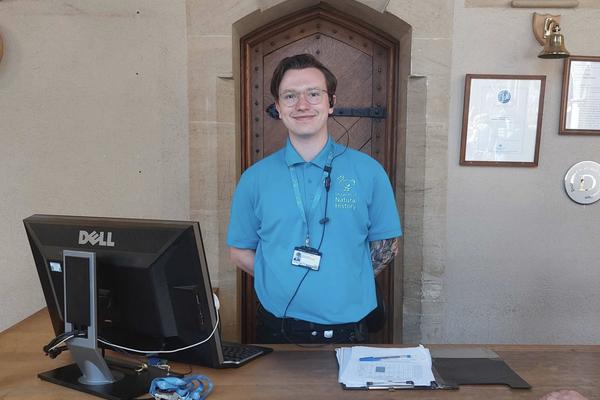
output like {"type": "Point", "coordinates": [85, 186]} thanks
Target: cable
{"type": "Point", "coordinates": [55, 346]}
{"type": "Point", "coordinates": [64, 335]}
{"type": "Point", "coordinates": [324, 222]}
{"type": "Point", "coordinates": [61, 342]}
{"type": "Point", "coordinates": [162, 351]}
{"type": "Point", "coordinates": [346, 132]}
{"type": "Point", "coordinates": [292, 298]}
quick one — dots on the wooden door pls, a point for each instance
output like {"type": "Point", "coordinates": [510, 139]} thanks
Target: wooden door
{"type": "Point", "coordinates": [365, 63]}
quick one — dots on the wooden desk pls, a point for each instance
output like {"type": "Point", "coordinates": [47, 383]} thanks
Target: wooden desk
{"type": "Point", "coordinates": [294, 373]}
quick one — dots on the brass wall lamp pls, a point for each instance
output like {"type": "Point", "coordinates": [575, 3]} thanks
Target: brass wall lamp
{"type": "Point", "coordinates": [546, 29]}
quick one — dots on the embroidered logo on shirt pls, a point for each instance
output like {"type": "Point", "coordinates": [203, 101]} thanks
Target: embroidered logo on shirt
{"type": "Point", "coordinates": [345, 195]}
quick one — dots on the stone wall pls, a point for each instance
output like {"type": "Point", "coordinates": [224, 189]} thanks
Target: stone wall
{"type": "Point", "coordinates": [93, 121]}
{"type": "Point", "coordinates": [213, 43]}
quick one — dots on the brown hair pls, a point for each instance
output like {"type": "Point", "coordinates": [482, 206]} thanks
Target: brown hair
{"type": "Point", "coordinates": [302, 61]}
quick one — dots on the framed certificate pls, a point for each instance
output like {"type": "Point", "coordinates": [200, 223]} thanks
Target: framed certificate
{"type": "Point", "coordinates": [580, 100]}
{"type": "Point", "coordinates": [502, 120]}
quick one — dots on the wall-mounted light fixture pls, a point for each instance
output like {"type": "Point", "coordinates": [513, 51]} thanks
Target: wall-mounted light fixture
{"type": "Point", "coordinates": [546, 29]}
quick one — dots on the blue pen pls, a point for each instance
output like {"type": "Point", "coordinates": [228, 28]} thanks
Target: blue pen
{"type": "Point", "coordinates": [383, 358]}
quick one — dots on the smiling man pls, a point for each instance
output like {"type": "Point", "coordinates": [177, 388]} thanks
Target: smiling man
{"type": "Point", "coordinates": [314, 222]}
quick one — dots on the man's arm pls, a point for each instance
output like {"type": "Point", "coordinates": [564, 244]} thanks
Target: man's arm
{"type": "Point", "coordinates": [382, 253]}
{"type": "Point", "coordinates": [243, 259]}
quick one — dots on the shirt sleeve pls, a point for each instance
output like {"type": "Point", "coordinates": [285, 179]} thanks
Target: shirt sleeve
{"type": "Point", "coordinates": [242, 232]}
{"type": "Point", "coordinates": [383, 213]}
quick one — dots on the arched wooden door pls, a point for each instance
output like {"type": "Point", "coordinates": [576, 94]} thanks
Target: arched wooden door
{"type": "Point", "coordinates": [365, 63]}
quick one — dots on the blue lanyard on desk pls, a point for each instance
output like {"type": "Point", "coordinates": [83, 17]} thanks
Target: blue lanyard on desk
{"type": "Point", "coordinates": [316, 198]}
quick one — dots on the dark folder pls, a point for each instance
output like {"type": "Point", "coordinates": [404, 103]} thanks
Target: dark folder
{"type": "Point", "coordinates": [478, 371]}
{"type": "Point", "coordinates": [474, 366]}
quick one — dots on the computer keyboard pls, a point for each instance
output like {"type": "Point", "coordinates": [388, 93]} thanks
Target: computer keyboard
{"type": "Point", "coordinates": [238, 354]}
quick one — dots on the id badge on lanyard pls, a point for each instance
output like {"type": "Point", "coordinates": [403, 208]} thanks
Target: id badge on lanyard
{"type": "Point", "coordinates": [307, 256]}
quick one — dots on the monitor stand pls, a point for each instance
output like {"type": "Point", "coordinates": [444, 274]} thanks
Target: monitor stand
{"type": "Point", "coordinates": [92, 373]}
{"type": "Point", "coordinates": [130, 384]}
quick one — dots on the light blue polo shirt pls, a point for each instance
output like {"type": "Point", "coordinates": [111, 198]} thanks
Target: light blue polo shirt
{"type": "Point", "coordinates": [265, 217]}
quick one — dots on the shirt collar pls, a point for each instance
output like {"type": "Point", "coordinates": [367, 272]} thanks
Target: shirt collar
{"type": "Point", "coordinates": [292, 157]}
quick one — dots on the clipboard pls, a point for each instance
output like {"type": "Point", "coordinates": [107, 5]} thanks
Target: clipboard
{"type": "Point", "coordinates": [454, 367]}
{"type": "Point", "coordinates": [439, 383]}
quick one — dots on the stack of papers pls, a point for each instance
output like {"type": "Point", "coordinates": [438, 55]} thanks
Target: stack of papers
{"type": "Point", "coordinates": [384, 368]}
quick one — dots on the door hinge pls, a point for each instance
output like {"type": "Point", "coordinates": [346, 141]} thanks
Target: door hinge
{"type": "Point", "coordinates": [365, 112]}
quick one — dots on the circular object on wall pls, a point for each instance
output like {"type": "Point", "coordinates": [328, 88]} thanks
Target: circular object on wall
{"type": "Point", "coordinates": [582, 182]}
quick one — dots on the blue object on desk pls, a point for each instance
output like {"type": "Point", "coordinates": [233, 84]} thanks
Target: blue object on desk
{"type": "Point", "coordinates": [383, 358]}
{"type": "Point", "coordinates": [196, 387]}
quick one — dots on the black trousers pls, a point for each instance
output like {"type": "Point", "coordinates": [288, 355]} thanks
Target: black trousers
{"type": "Point", "coordinates": [271, 329]}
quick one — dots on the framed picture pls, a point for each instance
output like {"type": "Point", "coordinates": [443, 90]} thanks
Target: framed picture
{"type": "Point", "coordinates": [502, 120]}
{"type": "Point", "coordinates": [580, 100]}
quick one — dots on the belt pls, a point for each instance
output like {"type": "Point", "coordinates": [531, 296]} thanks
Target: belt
{"type": "Point", "coordinates": [298, 325]}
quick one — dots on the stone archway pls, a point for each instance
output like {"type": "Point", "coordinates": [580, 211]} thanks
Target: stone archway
{"type": "Point", "coordinates": [366, 62]}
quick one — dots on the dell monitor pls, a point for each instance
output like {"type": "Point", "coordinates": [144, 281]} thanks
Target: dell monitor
{"type": "Point", "coordinates": [148, 282]}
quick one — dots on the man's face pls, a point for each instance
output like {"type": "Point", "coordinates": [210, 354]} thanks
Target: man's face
{"type": "Point", "coordinates": [304, 119]}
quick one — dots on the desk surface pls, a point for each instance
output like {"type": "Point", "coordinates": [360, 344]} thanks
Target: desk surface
{"type": "Point", "coordinates": [292, 373]}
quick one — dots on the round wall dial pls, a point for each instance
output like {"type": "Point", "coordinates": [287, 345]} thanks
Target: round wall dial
{"type": "Point", "coordinates": [582, 182]}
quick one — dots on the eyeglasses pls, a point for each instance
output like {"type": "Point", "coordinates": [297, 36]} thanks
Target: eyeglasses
{"type": "Point", "coordinates": [313, 95]}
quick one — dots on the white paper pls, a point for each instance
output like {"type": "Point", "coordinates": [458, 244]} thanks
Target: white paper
{"type": "Point", "coordinates": [583, 105]}
{"type": "Point", "coordinates": [502, 120]}
{"type": "Point", "coordinates": [407, 367]}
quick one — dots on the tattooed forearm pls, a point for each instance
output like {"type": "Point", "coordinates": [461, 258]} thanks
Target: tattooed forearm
{"type": "Point", "coordinates": [382, 253]}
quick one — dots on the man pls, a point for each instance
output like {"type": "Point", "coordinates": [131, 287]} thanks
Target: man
{"type": "Point", "coordinates": [303, 220]}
